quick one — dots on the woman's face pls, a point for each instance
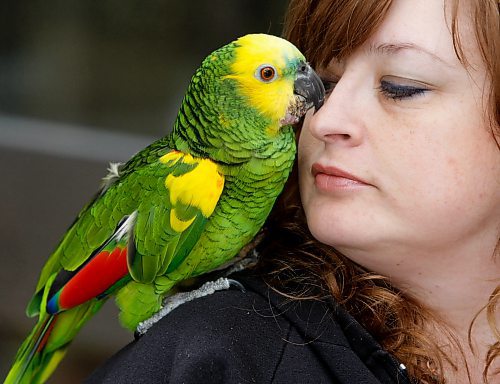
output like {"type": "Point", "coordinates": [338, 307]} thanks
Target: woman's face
{"type": "Point", "coordinates": [401, 159]}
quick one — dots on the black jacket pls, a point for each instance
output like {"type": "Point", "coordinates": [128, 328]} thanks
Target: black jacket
{"type": "Point", "coordinates": [255, 336]}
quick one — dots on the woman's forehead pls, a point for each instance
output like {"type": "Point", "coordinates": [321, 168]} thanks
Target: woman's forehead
{"type": "Point", "coordinates": [426, 27]}
{"type": "Point", "coordinates": [414, 25]}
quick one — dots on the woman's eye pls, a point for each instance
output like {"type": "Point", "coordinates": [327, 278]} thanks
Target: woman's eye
{"type": "Point", "coordinates": [400, 91]}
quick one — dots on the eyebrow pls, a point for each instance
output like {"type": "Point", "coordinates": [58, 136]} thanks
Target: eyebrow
{"type": "Point", "coordinates": [393, 48]}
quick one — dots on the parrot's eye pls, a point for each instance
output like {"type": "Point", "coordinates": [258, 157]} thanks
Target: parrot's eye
{"type": "Point", "coordinates": [266, 73]}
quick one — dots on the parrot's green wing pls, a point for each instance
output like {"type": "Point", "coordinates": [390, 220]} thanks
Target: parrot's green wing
{"type": "Point", "coordinates": [156, 213]}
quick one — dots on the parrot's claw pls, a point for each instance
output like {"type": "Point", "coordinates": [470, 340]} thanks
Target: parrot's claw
{"type": "Point", "coordinates": [237, 284]}
{"type": "Point", "coordinates": [172, 302]}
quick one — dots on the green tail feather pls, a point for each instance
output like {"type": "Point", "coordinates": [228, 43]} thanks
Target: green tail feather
{"type": "Point", "coordinates": [33, 364]}
{"type": "Point", "coordinates": [46, 345]}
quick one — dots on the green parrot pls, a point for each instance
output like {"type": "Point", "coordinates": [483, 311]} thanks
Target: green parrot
{"type": "Point", "coordinates": [181, 207]}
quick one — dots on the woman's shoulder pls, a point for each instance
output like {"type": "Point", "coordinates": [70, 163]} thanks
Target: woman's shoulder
{"type": "Point", "coordinates": [232, 336]}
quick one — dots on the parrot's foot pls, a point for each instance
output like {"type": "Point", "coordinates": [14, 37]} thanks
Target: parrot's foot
{"type": "Point", "coordinates": [172, 302]}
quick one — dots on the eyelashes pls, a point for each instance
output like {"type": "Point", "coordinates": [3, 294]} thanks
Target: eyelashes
{"type": "Point", "coordinates": [406, 89]}
{"type": "Point", "coordinates": [400, 91]}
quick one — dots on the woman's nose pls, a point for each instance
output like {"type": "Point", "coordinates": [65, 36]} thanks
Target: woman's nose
{"type": "Point", "coordinates": [340, 120]}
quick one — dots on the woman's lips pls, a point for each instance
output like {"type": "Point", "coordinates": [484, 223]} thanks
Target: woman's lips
{"type": "Point", "coordinates": [330, 179]}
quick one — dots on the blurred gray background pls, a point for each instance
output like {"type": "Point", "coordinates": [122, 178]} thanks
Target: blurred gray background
{"type": "Point", "coordinates": [83, 83]}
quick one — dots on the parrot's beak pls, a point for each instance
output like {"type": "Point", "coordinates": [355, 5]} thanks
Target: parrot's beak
{"type": "Point", "coordinates": [308, 92]}
{"type": "Point", "coordinates": [309, 86]}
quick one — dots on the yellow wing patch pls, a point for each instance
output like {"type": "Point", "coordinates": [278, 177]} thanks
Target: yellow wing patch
{"type": "Point", "coordinates": [200, 188]}
{"type": "Point", "coordinates": [273, 98]}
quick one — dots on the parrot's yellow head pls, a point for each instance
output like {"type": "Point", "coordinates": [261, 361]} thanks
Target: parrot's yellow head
{"type": "Point", "coordinates": [274, 78]}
